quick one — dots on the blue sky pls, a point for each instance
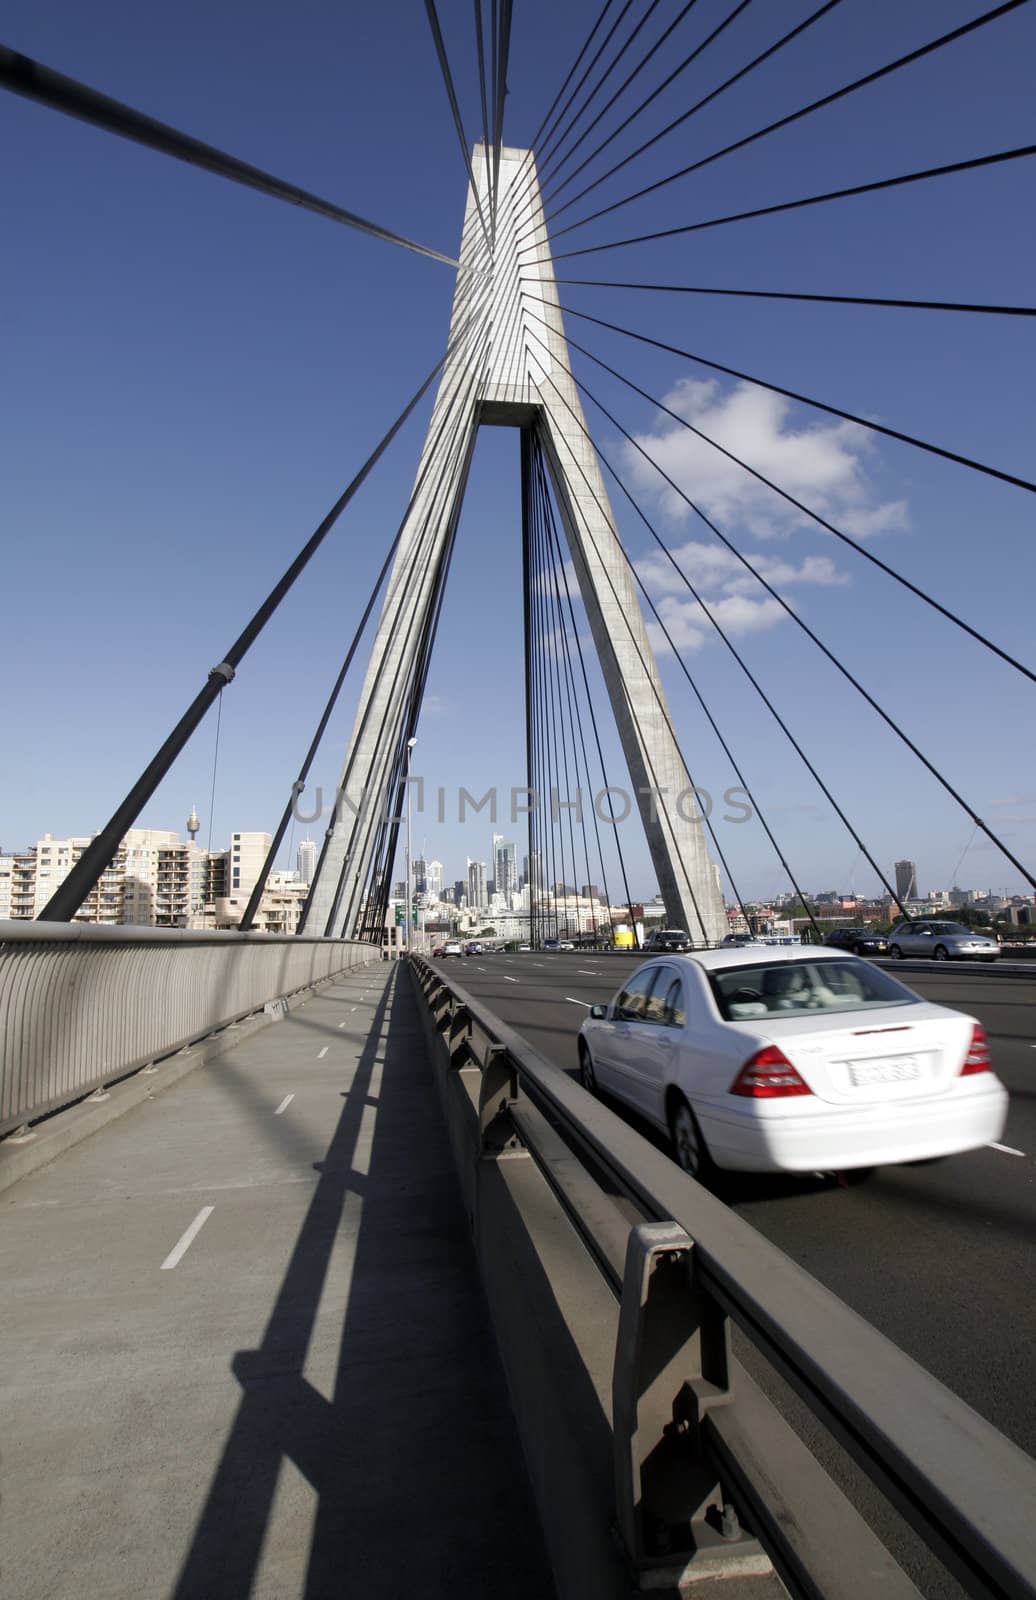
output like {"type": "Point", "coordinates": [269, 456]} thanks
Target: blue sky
{"type": "Point", "coordinates": [193, 372]}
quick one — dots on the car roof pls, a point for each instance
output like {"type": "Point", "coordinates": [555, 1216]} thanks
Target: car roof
{"type": "Point", "coordinates": [755, 955]}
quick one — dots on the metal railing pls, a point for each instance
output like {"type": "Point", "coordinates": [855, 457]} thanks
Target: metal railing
{"type": "Point", "coordinates": [83, 1005]}
{"type": "Point", "coordinates": [681, 1402]}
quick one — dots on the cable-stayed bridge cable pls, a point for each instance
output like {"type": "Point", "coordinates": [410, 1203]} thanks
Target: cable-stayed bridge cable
{"type": "Point", "coordinates": [248, 918]}
{"type": "Point", "coordinates": [447, 76]}
{"type": "Point", "coordinates": [562, 134]}
{"type": "Point", "coordinates": [597, 737]}
{"type": "Point", "coordinates": [682, 664]}
{"type": "Point", "coordinates": [974, 163]}
{"type": "Point", "coordinates": [980, 307]}
{"type": "Point", "coordinates": [845, 538]}
{"type": "Point", "coordinates": [620, 91]}
{"type": "Point", "coordinates": [69, 896]}
{"type": "Point", "coordinates": [803, 399]}
{"type": "Point", "coordinates": [842, 93]}
{"type": "Point", "coordinates": [804, 626]}
{"type": "Point", "coordinates": [638, 111]}
{"type": "Point", "coordinates": [23, 76]}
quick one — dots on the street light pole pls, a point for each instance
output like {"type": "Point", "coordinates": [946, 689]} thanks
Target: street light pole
{"type": "Point", "coordinates": [409, 860]}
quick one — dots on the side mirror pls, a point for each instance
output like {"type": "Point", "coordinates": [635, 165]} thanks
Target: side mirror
{"type": "Point", "coordinates": [598, 1013]}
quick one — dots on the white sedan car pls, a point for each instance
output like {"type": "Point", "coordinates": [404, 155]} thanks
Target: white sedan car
{"type": "Point", "coordinates": [775, 1060]}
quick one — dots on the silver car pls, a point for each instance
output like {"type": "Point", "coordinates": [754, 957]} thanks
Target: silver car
{"type": "Point", "coordinates": [941, 941]}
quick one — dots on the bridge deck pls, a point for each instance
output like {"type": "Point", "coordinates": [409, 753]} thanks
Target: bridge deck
{"type": "Point", "coordinates": [309, 1402]}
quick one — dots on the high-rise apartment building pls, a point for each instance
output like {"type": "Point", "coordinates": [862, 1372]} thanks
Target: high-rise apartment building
{"type": "Point", "coordinates": [505, 867]}
{"type": "Point", "coordinates": [906, 880]}
{"type": "Point", "coordinates": [433, 879]}
{"type": "Point", "coordinates": [306, 861]}
{"type": "Point", "coordinates": [477, 891]}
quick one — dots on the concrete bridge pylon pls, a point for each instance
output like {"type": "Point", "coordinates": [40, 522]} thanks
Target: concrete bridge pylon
{"type": "Point", "coordinates": [508, 365]}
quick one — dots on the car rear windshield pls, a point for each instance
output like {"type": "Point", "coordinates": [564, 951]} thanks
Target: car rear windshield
{"type": "Point", "coordinates": [780, 988]}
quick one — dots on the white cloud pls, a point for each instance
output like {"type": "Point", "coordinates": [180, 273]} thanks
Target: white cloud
{"type": "Point", "coordinates": [688, 626]}
{"type": "Point", "coordinates": [713, 566]}
{"type": "Point", "coordinates": [822, 464]}
{"type": "Point", "coordinates": [732, 594]}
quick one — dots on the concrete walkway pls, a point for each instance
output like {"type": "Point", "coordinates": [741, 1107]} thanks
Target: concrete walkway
{"type": "Point", "coordinates": [244, 1350]}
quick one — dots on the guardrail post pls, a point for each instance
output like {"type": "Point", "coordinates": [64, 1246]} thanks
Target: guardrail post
{"type": "Point", "coordinates": [499, 1087]}
{"type": "Point", "coordinates": [458, 1033]}
{"type": "Point", "coordinates": [672, 1363]}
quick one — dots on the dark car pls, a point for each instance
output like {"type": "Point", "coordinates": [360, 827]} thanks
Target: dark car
{"type": "Point", "coordinates": [667, 939]}
{"type": "Point", "coordinates": [741, 938]}
{"type": "Point", "coordinates": [861, 941]}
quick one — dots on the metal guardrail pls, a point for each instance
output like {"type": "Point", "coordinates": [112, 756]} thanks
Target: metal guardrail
{"type": "Point", "coordinates": [83, 1005]}
{"type": "Point", "coordinates": [682, 1404]}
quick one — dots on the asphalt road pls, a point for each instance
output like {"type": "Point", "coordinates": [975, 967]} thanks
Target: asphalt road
{"type": "Point", "coordinates": [939, 1257]}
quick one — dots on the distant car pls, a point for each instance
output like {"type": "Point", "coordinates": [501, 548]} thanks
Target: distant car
{"type": "Point", "coordinates": [942, 941]}
{"type": "Point", "coordinates": [741, 938]}
{"type": "Point", "coordinates": [667, 939]}
{"type": "Point", "coordinates": [472, 949]}
{"type": "Point", "coordinates": [861, 941]}
{"type": "Point", "coordinates": [439, 950]}
{"type": "Point", "coordinates": [452, 949]}
{"type": "Point", "coordinates": [776, 1060]}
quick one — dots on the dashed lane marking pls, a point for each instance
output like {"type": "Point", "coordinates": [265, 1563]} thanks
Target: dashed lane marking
{"type": "Point", "coordinates": [322, 1053]}
{"type": "Point", "coordinates": [576, 1002]}
{"type": "Point", "coordinates": [285, 1103]}
{"type": "Point", "coordinates": [182, 1246]}
{"type": "Point", "coordinates": [1006, 1148]}
{"type": "Point", "coordinates": [510, 980]}
{"type": "Point", "coordinates": [587, 972]}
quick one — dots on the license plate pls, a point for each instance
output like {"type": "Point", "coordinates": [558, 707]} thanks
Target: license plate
{"type": "Point", "coordinates": [895, 1070]}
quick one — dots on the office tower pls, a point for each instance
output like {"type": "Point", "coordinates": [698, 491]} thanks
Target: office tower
{"type": "Point", "coordinates": [906, 880]}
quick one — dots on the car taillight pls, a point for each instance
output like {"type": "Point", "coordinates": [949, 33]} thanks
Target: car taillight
{"type": "Point", "coordinates": [767, 1075]}
{"type": "Point", "coordinates": [978, 1058]}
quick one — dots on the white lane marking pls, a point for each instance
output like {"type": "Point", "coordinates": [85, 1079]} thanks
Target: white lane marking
{"type": "Point", "coordinates": [342, 1024]}
{"type": "Point", "coordinates": [537, 963]}
{"type": "Point", "coordinates": [576, 1002]}
{"type": "Point", "coordinates": [1006, 1148]}
{"type": "Point", "coordinates": [509, 980]}
{"type": "Point", "coordinates": [588, 972]}
{"type": "Point", "coordinates": [352, 1008]}
{"type": "Point", "coordinates": [480, 969]}
{"type": "Point", "coordinates": [285, 1103]}
{"type": "Point", "coordinates": [180, 1249]}
{"type": "Point", "coordinates": [323, 1053]}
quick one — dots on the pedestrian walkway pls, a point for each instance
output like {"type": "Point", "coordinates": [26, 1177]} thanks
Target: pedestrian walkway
{"type": "Point", "coordinates": [244, 1349]}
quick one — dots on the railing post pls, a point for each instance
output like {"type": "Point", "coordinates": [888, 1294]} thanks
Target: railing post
{"type": "Point", "coordinates": [672, 1364]}
{"type": "Point", "coordinates": [499, 1087]}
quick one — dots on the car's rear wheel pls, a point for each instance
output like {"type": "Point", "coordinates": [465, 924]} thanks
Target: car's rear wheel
{"type": "Point", "coordinates": [940, 953]}
{"type": "Point", "coordinates": [895, 952]}
{"type": "Point", "coordinates": [690, 1148]}
{"type": "Point", "coordinates": [587, 1075]}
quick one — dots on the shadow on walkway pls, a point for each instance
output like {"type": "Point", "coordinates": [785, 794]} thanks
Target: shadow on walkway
{"type": "Point", "coordinates": [415, 1460]}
